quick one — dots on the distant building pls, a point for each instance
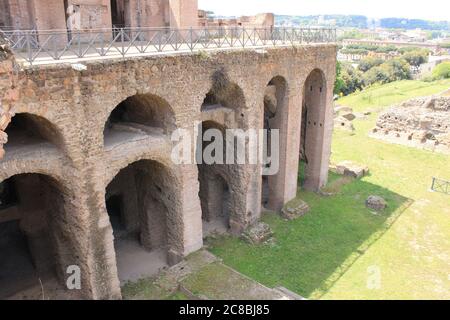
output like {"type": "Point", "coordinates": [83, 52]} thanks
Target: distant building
{"type": "Point", "coordinates": [91, 14]}
{"type": "Point", "coordinates": [263, 20]}
{"type": "Point", "coordinates": [426, 45]}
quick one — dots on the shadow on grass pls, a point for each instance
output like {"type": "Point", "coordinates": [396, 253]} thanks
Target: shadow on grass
{"type": "Point", "coordinates": [310, 254]}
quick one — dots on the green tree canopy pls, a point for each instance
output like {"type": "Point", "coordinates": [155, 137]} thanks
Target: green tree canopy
{"type": "Point", "coordinates": [442, 71]}
{"type": "Point", "coordinates": [416, 58]}
{"type": "Point", "coordinates": [368, 63]}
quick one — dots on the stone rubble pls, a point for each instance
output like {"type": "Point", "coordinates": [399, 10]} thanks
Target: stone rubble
{"type": "Point", "coordinates": [350, 168]}
{"type": "Point", "coordinates": [258, 233]}
{"type": "Point", "coordinates": [295, 210]}
{"type": "Point", "coordinates": [421, 122]}
{"type": "Point", "coordinates": [376, 203]}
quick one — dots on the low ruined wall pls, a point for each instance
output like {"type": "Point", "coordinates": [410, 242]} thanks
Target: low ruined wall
{"type": "Point", "coordinates": [420, 122]}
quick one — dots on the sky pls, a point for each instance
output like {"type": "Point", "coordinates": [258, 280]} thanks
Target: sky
{"type": "Point", "coordinates": [411, 9]}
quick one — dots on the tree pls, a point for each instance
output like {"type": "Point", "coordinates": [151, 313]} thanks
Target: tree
{"type": "Point", "coordinates": [416, 58]}
{"type": "Point", "coordinates": [376, 75]}
{"type": "Point", "coordinates": [392, 70]}
{"type": "Point", "coordinates": [339, 84]}
{"type": "Point", "coordinates": [397, 69]}
{"type": "Point", "coordinates": [348, 80]}
{"type": "Point", "coordinates": [368, 63]}
{"type": "Point", "coordinates": [442, 71]}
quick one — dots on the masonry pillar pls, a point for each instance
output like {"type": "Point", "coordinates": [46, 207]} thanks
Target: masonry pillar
{"type": "Point", "coordinates": [191, 213]}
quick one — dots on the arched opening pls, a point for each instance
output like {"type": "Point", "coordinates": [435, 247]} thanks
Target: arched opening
{"type": "Point", "coordinates": [142, 203]}
{"type": "Point", "coordinates": [274, 119]}
{"type": "Point", "coordinates": [27, 129]}
{"type": "Point", "coordinates": [137, 116]}
{"type": "Point", "coordinates": [215, 193]}
{"type": "Point", "coordinates": [312, 130]}
{"type": "Point", "coordinates": [32, 240]}
{"type": "Point", "coordinates": [224, 94]}
{"type": "Point", "coordinates": [211, 102]}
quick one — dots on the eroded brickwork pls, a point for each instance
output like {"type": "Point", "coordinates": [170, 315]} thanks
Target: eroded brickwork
{"type": "Point", "coordinates": [8, 91]}
{"type": "Point", "coordinates": [86, 156]}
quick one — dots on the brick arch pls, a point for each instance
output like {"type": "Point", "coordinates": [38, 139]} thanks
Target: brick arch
{"type": "Point", "coordinates": [47, 216]}
{"type": "Point", "coordinates": [233, 189]}
{"type": "Point", "coordinates": [276, 117]}
{"type": "Point", "coordinates": [146, 195]}
{"type": "Point", "coordinates": [141, 112]}
{"type": "Point", "coordinates": [129, 92]}
{"type": "Point", "coordinates": [115, 167]}
{"type": "Point", "coordinates": [44, 127]}
{"type": "Point", "coordinates": [33, 168]}
{"type": "Point", "coordinates": [225, 92]}
{"type": "Point", "coordinates": [314, 117]}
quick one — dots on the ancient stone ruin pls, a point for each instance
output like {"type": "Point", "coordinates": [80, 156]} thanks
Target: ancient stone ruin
{"type": "Point", "coordinates": [421, 122]}
{"type": "Point", "coordinates": [87, 178]}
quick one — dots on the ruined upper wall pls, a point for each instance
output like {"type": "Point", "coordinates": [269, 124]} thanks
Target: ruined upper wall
{"type": "Point", "coordinates": [262, 20]}
{"type": "Point", "coordinates": [96, 14]}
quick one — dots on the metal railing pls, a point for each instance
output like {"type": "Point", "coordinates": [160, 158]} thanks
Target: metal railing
{"type": "Point", "coordinates": [61, 45]}
{"type": "Point", "coordinates": [439, 185]}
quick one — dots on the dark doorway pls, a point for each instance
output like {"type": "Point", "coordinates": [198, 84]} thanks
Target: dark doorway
{"type": "Point", "coordinates": [114, 205]}
{"type": "Point", "coordinates": [142, 211]}
{"type": "Point", "coordinates": [29, 228]}
{"type": "Point", "coordinates": [120, 13]}
{"type": "Point", "coordinates": [117, 14]}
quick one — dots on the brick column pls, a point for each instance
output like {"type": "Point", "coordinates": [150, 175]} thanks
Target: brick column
{"type": "Point", "coordinates": [191, 212]}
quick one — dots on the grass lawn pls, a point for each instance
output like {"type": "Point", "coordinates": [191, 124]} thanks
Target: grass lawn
{"type": "Point", "coordinates": [391, 93]}
{"type": "Point", "coordinates": [341, 250]}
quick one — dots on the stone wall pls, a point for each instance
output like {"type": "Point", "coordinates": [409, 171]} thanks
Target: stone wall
{"type": "Point", "coordinates": [262, 20]}
{"type": "Point", "coordinates": [8, 92]}
{"type": "Point", "coordinates": [95, 14]}
{"type": "Point", "coordinates": [79, 103]}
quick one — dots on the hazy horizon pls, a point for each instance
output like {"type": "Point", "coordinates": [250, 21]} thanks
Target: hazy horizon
{"type": "Point", "coordinates": [436, 10]}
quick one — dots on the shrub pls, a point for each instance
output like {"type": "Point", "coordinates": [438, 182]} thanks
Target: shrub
{"type": "Point", "coordinates": [442, 71]}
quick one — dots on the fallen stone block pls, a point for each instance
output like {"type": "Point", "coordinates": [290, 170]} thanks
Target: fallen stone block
{"type": "Point", "coordinates": [339, 110]}
{"type": "Point", "coordinates": [258, 233]}
{"type": "Point", "coordinates": [344, 124]}
{"type": "Point", "coordinates": [295, 209]}
{"type": "Point", "coordinates": [351, 169]}
{"type": "Point", "coordinates": [349, 116]}
{"type": "Point", "coordinates": [376, 203]}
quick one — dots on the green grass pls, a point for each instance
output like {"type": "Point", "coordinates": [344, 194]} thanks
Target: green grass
{"type": "Point", "coordinates": [395, 92]}
{"type": "Point", "coordinates": [332, 252]}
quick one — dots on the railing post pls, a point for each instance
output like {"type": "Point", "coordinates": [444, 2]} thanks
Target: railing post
{"type": "Point", "coordinates": [29, 54]}
{"type": "Point", "coordinates": [122, 39]}
{"type": "Point", "coordinates": [79, 44]}
{"type": "Point", "coordinates": [191, 41]}
{"type": "Point", "coordinates": [55, 52]}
